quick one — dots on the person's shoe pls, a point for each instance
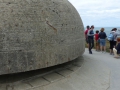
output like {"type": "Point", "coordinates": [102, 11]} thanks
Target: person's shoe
{"type": "Point", "coordinates": [90, 52]}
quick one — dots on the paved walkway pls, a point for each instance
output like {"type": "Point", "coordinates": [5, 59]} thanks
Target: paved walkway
{"type": "Point", "coordinates": [97, 71]}
{"type": "Point", "coordinates": [112, 63]}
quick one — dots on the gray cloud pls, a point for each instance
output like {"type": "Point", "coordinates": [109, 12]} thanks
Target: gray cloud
{"type": "Point", "coordinates": [93, 11]}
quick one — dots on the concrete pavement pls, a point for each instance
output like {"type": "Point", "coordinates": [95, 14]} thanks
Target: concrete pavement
{"type": "Point", "coordinates": [97, 71]}
{"type": "Point", "coordinates": [112, 63]}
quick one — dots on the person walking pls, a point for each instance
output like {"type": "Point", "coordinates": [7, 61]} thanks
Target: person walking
{"type": "Point", "coordinates": [102, 37]}
{"type": "Point", "coordinates": [90, 35]}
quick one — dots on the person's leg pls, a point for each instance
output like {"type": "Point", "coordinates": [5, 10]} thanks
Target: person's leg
{"type": "Point", "coordinates": [110, 51]}
{"type": "Point", "coordinates": [97, 48]}
{"type": "Point", "coordinates": [92, 42]}
{"type": "Point", "coordinates": [104, 48]}
{"type": "Point", "coordinates": [89, 41]}
{"type": "Point", "coordinates": [101, 45]}
{"type": "Point", "coordinates": [88, 45]}
{"type": "Point", "coordinates": [96, 45]}
{"type": "Point", "coordinates": [115, 52]}
{"type": "Point", "coordinates": [92, 45]}
{"type": "Point", "coordinates": [111, 47]}
{"type": "Point", "coordinates": [114, 43]}
{"type": "Point", "coordinates": [104, 45]}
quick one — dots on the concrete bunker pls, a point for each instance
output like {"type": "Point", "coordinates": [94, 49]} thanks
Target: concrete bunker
{"type": "Point", "coordinates": [36, 34]}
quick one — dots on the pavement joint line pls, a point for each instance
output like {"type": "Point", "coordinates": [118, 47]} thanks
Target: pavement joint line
{"type": "Point", "coordinates": [60, 74]}
{"type": "Point", "coordinates": [70, 69]}
{"type": "Point", "coordinates": [41, 75]}
{"type": "Point", "coordinates": [109, 81]}
{"type": "Point", "coordinates": [29, 84]}
{"type": "Point", "coordinates": [46, 79]}
{"type": "Point", "coordinates": [77, 65]}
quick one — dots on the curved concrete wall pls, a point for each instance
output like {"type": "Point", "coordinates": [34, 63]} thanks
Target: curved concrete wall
{"type": "Point", "coordinates": [38, 33]}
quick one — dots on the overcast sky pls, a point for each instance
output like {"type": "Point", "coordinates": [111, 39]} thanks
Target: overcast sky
{"type": "Point", "coordinates": [98, 12]}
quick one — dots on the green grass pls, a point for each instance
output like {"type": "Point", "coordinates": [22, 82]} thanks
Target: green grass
{"type": "Point", "coordinates": [107, 45]}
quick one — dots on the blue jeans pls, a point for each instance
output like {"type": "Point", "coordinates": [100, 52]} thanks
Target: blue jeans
{"type": "Point", "coordinates": [102, 42]}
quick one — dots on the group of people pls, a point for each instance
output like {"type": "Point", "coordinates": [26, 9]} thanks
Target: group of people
{"type": "Point", "coordinates": [100, 40]}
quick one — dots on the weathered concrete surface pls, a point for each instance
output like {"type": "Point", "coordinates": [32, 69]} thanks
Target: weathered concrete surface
{"type": "Point", "coordinates": [88, 72]}
{"type": "Point", "coordinates": [38, 33]}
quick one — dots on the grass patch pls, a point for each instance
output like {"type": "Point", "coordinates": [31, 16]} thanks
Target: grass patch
{"type": "Point", "coordinates": [107, 45]}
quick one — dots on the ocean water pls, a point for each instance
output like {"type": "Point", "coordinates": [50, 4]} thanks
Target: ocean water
{"type": "Point", "coordinates": [107, 29]}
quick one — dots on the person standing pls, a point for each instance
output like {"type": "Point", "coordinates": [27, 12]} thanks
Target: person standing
{"type": "Point", "coordinates": [86, 37]}
{"type": "Point", "coordinates": [102, 37]}
{"type": "Point", "coordinates": [90, 35]}
{"type": "Point", "coordinates": [111, 41]}
{"type": "Point", "coordinates": [116, 50]}
{"type": "Point", "coordinates": [97, 40]}
{"type": "Point", "coordinates": [115, 36]}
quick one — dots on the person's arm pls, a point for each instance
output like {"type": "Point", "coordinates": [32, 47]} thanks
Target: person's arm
{"type": "Point", "coordinates": [94, 36]}
{"type": "Point", "coordinates": [89, 33]}
{"type": "Point", "coordinates": [115, 35]}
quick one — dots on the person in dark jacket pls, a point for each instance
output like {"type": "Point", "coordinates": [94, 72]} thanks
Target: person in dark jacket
{"type": "Point", "coordinates": [90, 35]}
{"type": "Point", "coordinates": [111, 42]}
{"type": "Point", "coordinates": [102, 37]}
{"type": "Point", "coordinates": [116, 50]}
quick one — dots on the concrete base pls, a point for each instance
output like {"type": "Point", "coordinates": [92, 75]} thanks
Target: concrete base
{"type": "Point", "coordinates": [85, 73]}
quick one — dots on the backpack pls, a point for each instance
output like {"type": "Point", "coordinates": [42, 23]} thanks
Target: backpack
{"type": "Point", "coordinates": [110, 37]}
